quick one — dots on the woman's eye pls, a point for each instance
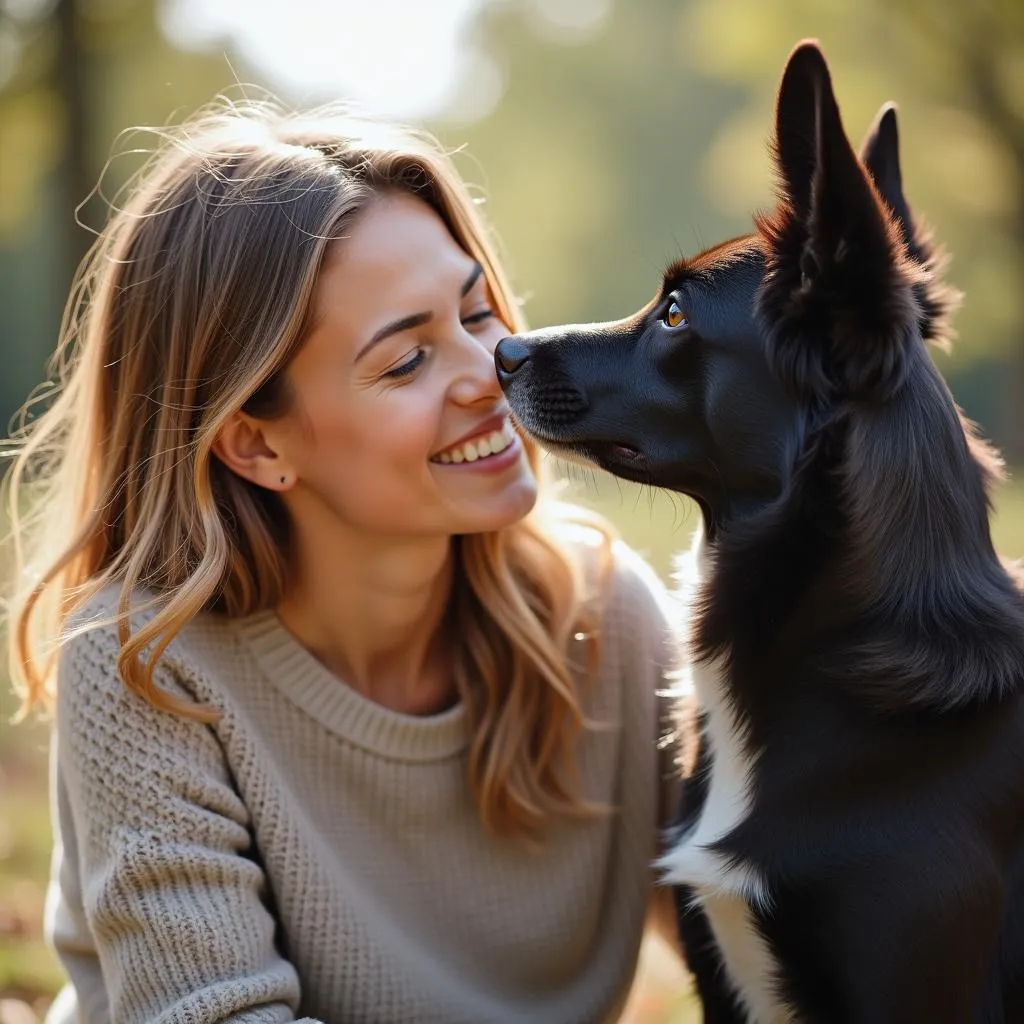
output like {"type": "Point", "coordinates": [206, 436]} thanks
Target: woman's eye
{"type": "Point", "coordinates": [475, 318]}
{"type": "Point", "coordinates": [674, 316]}
{"type": "Point", "coordinates": [408, 366]}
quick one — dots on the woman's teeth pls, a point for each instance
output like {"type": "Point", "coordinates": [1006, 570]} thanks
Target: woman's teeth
{"type": "Point", "coordinates": [480, 448]}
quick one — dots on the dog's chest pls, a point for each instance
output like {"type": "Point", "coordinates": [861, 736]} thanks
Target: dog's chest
{"type": "Point", "coordinates": [726, 891]}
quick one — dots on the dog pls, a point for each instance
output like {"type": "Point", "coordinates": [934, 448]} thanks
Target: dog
{"type": "Point", "coordinates": [850, 845]}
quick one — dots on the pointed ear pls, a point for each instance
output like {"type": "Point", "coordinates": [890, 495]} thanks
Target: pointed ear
{"type": "Point", "coordinates": [880, 153]}
{"type": "Point", "coordinates": [796, 124]}
{"type": "Point", "coordinates": [822, 174]}
{"type": "Point", "coordinates": [837, 296]}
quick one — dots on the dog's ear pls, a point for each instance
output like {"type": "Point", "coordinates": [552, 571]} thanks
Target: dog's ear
{"type": "Point", "coordinates": [838, 296]}
{"type": "Point", "coordinates": [880, 153]}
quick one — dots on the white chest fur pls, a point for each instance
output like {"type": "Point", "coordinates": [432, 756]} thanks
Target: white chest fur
{"type": "Point", "coordinates": [726, 891]}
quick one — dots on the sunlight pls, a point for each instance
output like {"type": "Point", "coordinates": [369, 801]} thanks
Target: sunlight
{"type": "Point", "coordinates": [399, 58]}
{"type": "Point", "coordinates": [393, 57]}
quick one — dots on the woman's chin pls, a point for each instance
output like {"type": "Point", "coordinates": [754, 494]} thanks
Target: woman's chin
{"type": "Point", "coordinates": [514, 503]}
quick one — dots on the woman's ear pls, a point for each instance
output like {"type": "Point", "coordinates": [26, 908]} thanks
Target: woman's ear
{"type": "Point", "coordinates": [243, 447]}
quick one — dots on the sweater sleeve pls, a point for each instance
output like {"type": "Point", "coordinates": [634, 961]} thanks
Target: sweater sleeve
{"type": "Point", "coordinates": [157, 903]}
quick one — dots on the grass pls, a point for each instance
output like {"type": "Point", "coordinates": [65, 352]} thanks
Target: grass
{"type": "Point", "coordinates": [655, 524]}
{"type": "Point", "coordinates": [28, 971]}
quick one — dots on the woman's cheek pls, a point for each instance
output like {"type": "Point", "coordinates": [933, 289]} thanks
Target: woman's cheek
{"type": "Point", "coordinates": [417, 423]}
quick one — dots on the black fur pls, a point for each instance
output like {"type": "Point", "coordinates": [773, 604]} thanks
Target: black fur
{"type": "Point", "coordinates": [880, 152]}
{"type": "Point", "coordinates": [874, 643]}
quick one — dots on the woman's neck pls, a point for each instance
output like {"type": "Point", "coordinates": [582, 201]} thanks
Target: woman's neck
{"type": "Point", "coordinates": [372, 610]}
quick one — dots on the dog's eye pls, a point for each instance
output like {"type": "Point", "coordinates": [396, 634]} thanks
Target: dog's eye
{"type": "Point", "coordinates": [674, 316]}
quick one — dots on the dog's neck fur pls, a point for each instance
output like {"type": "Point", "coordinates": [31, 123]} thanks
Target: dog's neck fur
{"type": "Point", "coordinates": [881, 531]}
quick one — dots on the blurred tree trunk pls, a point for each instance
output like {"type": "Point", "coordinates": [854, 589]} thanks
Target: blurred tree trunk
{"type": "Point", "coordinates": [71, 82]}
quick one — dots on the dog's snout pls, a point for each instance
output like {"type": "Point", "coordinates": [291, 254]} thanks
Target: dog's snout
{"type": "Point", "coordinates": [510, 355]}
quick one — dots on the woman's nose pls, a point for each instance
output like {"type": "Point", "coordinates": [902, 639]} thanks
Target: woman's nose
{"type": "Point", "coordinates": [475, 378]}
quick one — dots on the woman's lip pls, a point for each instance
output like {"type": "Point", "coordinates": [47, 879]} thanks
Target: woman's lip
{"type": "Point", "coordinates": [490, 463]}
{"type": "Point", "coordinates": [485, 429]}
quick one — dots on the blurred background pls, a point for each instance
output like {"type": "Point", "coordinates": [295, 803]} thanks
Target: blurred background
{"type": "Point", "coordinates": [605, 136]}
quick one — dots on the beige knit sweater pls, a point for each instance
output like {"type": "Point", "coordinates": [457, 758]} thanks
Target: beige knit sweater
{"type": "Point", "coordinates": [316, 855]}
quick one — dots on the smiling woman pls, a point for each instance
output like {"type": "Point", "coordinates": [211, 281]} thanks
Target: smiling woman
{"type": "Point", "coordinates": [352, 721]}
{"type": "Point", "coordinates": [383, 397]}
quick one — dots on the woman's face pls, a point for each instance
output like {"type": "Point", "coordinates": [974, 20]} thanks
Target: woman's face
{"type": "Point", "coordinates": [399, 425]}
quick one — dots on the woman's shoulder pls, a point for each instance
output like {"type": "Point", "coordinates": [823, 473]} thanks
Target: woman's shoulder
{"type": "Point", "coordinates": [101, 612]}
{"type": "Point", "coordinates": [91, 644]}
{"type": "Point", "coordinates": [642, 636]}
{"type": "Point", "coordinates": [101, 609]}
{"type": "Point", "coordinates": [91, 634]}
{"type": "Point", "coordinates": [641, 622]}
{"type": "Point", "coordinates": [616, 576]}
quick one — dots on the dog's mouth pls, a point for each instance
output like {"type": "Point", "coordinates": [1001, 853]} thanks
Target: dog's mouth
{"type": "Point", "coordinates": [625, 453]}
{"type": "Point", "coordinates": [613, 456]}
{"type": "Point", "coordinates": [621, 459]}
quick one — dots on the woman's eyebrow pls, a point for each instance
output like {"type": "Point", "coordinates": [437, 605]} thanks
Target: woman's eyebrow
{"type": "Point", "coordinates": [474, 275]}
{"type": "Point", "coordinates": [406, 323]}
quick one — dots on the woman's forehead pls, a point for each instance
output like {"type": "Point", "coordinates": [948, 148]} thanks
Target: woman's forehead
{"type": "Point", "coordinates": [398, 240]}
{"type": "Point", "coordinates": [398, 259]}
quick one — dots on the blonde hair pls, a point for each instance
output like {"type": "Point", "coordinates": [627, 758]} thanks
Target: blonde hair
{"type": "Point", "coordinates": [190, 306]}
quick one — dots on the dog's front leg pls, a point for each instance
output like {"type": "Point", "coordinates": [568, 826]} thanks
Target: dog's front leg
{"type": "Point", "coordinates": [705, 962]}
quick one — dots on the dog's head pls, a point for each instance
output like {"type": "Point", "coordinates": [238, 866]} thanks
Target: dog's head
{"type": "Point", "coordinates": [711, 388]}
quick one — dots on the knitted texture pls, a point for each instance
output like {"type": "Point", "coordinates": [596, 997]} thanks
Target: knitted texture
{"type": "Point", "coordinates": [316, 855]}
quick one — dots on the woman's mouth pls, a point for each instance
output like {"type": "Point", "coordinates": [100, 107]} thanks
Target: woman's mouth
{"type": "Point", "coordinates": [483, 446]}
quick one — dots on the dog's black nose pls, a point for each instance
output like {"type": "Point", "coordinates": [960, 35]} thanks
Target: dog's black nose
{"type": "Point", "coordinates": [510, 354]}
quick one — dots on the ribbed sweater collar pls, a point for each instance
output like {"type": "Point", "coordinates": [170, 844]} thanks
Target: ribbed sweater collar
{"type": "Point", "coordinates": [293, 670]}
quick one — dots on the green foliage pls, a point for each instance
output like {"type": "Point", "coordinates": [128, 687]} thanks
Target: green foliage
{"type": "Point", "coordinates": [602, 161]}
{"type": "Point", "coordinates": [963, 148]}
{"type": "Point", "coordinates": [28, 970]}
{"type": "Point", "coordinates": [606, 159]}
{"type": "Point", "coordinates": [592, 161]}
{"type": "Point", "coordinates": [128, 75]}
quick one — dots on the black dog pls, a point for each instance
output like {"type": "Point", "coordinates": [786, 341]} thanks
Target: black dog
{"type": "Point", "coordinates": [851, 846]}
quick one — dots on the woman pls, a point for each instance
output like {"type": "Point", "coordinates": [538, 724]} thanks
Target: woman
{"type": "Point", "coordinates": [348, 725]}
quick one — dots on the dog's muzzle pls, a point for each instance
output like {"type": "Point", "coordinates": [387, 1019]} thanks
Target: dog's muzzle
{"type": "Point", "coordinates": [510, 355]}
